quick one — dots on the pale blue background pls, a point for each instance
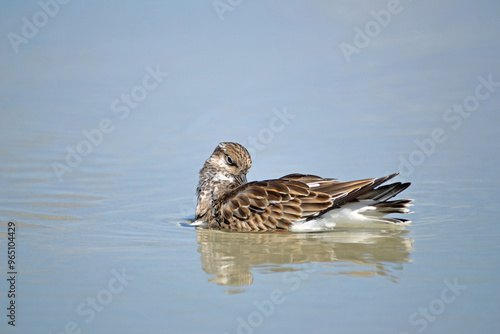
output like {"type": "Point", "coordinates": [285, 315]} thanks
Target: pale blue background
{"type": "Point", "coordinates": [351, 120]}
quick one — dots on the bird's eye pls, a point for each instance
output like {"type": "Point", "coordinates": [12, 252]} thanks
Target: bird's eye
{"type": "Point", "coordinates": [230, 161]}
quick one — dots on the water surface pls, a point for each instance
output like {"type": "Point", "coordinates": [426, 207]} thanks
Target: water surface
{"type": "Point", "coordinates": [101, 244]}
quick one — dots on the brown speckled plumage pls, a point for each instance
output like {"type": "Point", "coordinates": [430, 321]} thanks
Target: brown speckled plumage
{"type": "Point", "coordinates": [226, 201]}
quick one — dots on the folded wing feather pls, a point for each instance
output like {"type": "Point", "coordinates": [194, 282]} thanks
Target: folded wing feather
{"type": "Point", "coordinates": [276, 204]}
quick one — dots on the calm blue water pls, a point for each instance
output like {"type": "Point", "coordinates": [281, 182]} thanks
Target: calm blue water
{"type": "Point", "coordinates": [110, 110]}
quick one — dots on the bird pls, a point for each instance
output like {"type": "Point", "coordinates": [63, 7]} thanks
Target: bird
{"type": "Point", "coordinates": [295, 202]}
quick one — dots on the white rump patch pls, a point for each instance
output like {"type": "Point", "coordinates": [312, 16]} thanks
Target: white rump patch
{"type": "Point", "coordinates": [360, 214]}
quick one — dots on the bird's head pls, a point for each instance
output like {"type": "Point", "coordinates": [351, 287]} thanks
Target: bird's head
{"type": "Point", "coordinates": [226, 169]}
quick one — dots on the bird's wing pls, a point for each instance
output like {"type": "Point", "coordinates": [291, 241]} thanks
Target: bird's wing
{"type": "Point", "coordinates": [267, 205]}
{"type": "Point", "coordinates": [276, 204]}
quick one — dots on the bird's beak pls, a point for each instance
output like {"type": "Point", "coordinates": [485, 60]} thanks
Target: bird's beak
{"type": "Point", "coordinates": [241, 179]}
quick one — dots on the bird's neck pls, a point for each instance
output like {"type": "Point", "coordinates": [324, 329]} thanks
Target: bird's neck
{"type": "Point", "coordinates": [211, 187]}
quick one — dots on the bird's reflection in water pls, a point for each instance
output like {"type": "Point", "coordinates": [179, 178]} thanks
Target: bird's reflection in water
{"type": "Point", "coordinates": [229, 257]}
